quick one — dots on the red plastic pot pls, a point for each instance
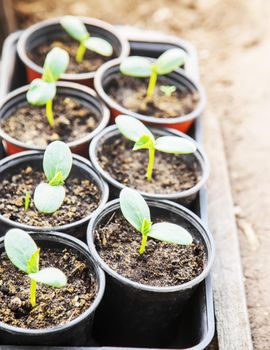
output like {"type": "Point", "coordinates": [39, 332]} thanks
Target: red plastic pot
{"type": "Point", "coordinates": [87, 96]}
{"type": "Point", "coordinates": [178, 78]}
{"type": "Point", "coordinates": [50, 29]}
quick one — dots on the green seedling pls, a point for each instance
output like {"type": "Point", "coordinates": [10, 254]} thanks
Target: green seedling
{"type": "Point", "coordinates": [142, 67]}
{"type": "Point", "coordinates": [23, 252]}
{"type": "Point", "coordinates": [77, 30]}
{"type": "Point", "coordinates": [136, 211]}
{"type": "Point", "coordinates": [137, 132]}
{"type": "Point", "coordinates": [168, 90]}
{"type": "Point", "coordinates": [57, 163]}
{"type": "Point", "coordinates": [27, 201]}
{"type": "Point", "coordinates": [42, 91]}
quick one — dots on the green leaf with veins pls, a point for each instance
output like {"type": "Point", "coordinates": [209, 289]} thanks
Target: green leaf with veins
{"type": "Point", "coordinates": [136, 66]}
{"type": "Point", "coordinates": [134, 208]}
{"type": "Point", "coordinates": [132, 128]}
{"type": "Point", "coordinates": [99, 45]}
{"type": "Point", "coordinates": [170, 60]}
{"type": "Point", "coordinates": [50, 276]}
{"type": "Point", "coordinates": [40, 92]}
{"type": "Point", "coordinates": [33, 262]}
{"type": "Point", "coordinates": [57, 158]}
{"type": "Point", "coordinates": [19, 247]}
{"type": "Point", "coordinates": [56, 63]}
{"type": "Point", "coordinates": [48, 198]}
{"type": "Point", "coordinates": [170, 233]}
{"type": "Point", "coordinates": [74, 27]}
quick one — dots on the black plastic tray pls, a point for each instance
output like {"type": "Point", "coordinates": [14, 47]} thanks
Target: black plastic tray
{"type": "Point", "coordinates": [197, 325]}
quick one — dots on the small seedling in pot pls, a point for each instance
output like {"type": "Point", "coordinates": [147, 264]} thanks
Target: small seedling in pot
{"type": "Point", "coordinates": [57, 163]}
{"type": "Point", "coordinates": [142, 67]}
{"type": "Point", "coordinates": [137, 132]}
{"type": "Point", "coordinates": [77, 30]}
{"type": "Point", "coordinates": [136, 211]}
{"type": "Point", "coordinates": [168, 90]}
{"type": "Point", "coordinates": [27, 199]}
{"type": "Point", "coordinates": [23, 252]}
{"type": "Point", "coordinates": [42, 91]}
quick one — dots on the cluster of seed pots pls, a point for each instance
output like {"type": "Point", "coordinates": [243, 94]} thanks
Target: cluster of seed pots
{"type": "Point", "coordinates": [124, 311]}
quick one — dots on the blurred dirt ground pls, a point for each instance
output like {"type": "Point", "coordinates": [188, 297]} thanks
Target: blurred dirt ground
{"type": "Point", "coordinates": [233, 41]}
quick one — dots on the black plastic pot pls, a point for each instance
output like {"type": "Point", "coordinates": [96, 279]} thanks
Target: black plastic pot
{"type": "Point", "coordinates": [106, 73]}
{"type": "Point", "coordinates": [79, 330]}
{"type": "Point", "coordinates": [51, 28]}
{"type": "Point", "coordinates": [86, 96]}
{"type": "Point", "coordinates": [81, 168]}
{"type": "Point", "coordinates": [184, 197]}
{"type": "Point", "coordinates": [144, 315]}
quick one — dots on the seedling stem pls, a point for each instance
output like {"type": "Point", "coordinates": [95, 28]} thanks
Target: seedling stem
{"type": "Point", "coordinates": [33, 288]}
{"type": "Point", "coordinates": [80, 52]}
{"type": "Point", "coordinates": [152, 82]}
{"type": "Point", "coordinates": [49, 113]}
{"type": "Point", "coordinates": [150, 164]}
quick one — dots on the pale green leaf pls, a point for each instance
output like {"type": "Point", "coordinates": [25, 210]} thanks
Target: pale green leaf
{"type": "Point", "coordinates": [144, 142]}
{"type": "Point", "coordinates": [33, 262]}
{"type": "Point", "coordinates": [19, 248]}
{"type": "Point", "coordinates": [170, 60]}
{"type": "Point", "coordinates": [40, 92]}
{"type": "Point", "coordinates": [56, 63]}
{"type": "Point", "coordinates": [57, 157]}
{"type": "Point", "coordinates": [134, 208]}
{"type": "Point", "coordinates": [175, 144]}
{"type": "Point", "coordinates": [146, 226]}
{"type": "Point", "coordinates": [132, 128]}
{"type": "Point", "coordinates": [48, 198]}
{"type": "Point", "coordinates": [170, 233]}
{"type": "Point", "coordinates": [74, 27]}
{"type": "Point", "coordinates": [50, 276]}
{"type": "Point", "coordinates": [136, 66]}
{"type": "Point", "coordinates": [99, 46]}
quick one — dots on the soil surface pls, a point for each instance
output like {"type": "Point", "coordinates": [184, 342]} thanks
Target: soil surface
{"type": "Point", "coordinates": [171, 174]}
{"type": "Point", "coordinates": [130, 93]}
{"type": "Point", "coordinates": [55, 306]}
{"type": "Point", "coordinates": [91, 62]}
{"type": "Point", "coordinates": [73, 121]}
{"type": "Point", "coordinates": [82, 198]}
{"type": "Point", "coordinates": [161, 265]}
{"type": "Point", "coordinates": [233, 42]}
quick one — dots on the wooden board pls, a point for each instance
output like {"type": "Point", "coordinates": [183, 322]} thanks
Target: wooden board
{"type": "Point", "coordinates": [232, 323]}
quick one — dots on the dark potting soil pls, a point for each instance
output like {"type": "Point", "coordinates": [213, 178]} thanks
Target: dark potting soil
{"type": "Point", "coordinates": [172, 173]}
{"type": "Point", "coordinates": [82, 198]}
{"type": "Point", "coordinates": [91, 62]}
{"type": "Point", "coordinates": [55, 306]}
{"type": "Point", "coordinates": [161, 265]}
{"type": "Point", "coordinates": [130, 92]}
{"type": "Point", "coordinates": [73, 121]}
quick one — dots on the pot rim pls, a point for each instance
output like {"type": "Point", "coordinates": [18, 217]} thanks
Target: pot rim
{"type": "Point", "coordinates": [193, 218]}
{"type": "Point", "coordinates": [198, 110]}
{"type": "Point", "coordinates": [26, 35]}
{"type": "Point", "coordinates": [199, 154]}
{"type": "Point", "coordinates": [104, 194]}
{"type": "Point", "coordinates": [100, 277]}
{"type": "Point", "coordinates": [104, 120]}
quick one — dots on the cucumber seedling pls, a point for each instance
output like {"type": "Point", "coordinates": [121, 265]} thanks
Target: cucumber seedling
{"type": "Point", "coordinates": [77, 30]}
{"type": "Point", "coordinates": [136, 131]}
{"type": "Point", "coordinates": [57, 163]}
{"type": "Point", "coordinates": [142, 67]}
{"type": "Point", "coordinates": [168, 90]}
{"type": "Point", "coordinates": [136, 211]}
{"type": "Point", "coordinates": [42, 91]}
{"type": "Point", "coordinates": [23, 252]}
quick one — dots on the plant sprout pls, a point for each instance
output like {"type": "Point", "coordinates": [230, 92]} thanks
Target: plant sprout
{"type": "Point", "coordinates": [168, 90]}
{"type": "Point", "coordinates": [136, 131]}
{"type": "Point", "coordinates": [23, 252]}
{"type": "Point", "coordinates": [27, 201]}
{"type": "Point", "coordinates": [42, 91]}
{"type": "Point", "coordinates": [142, 67]}
{"type": "Point", "coordinates": [136, 211]}
{"type": "Point", "coordinates": [77, 30]}
{"type": "Point", "coordinates": [57, 163]}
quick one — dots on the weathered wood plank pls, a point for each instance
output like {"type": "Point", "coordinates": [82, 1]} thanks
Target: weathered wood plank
{"type": "Point", "coordinates": [232, 321]}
